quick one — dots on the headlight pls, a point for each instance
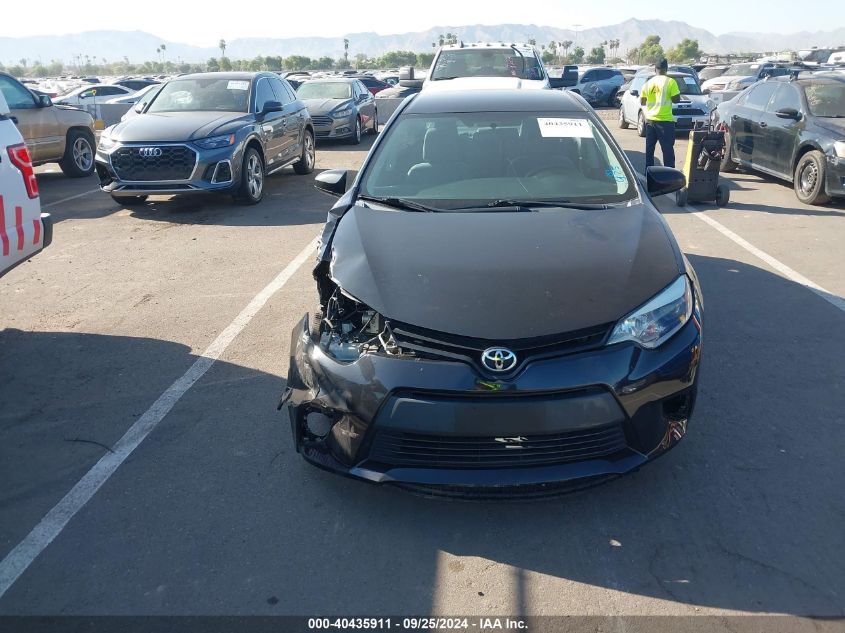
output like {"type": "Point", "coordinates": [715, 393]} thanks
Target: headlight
{"type": "Point", "coordinates": [341, 114]}
{"type": "Point", "coordinates": [106, 141]}
{"type": "Point", "coordinates": [839, 148]}
{"type": "Point", "coordinates": [710, 104]}
{"type": "Point", "coordinates": [216, 142]}
{"type": "Point", "coordinates": [659, 319]}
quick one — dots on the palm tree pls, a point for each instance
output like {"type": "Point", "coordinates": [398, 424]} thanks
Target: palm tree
{"type": "Point", "coordinates": [222, 46]}
{"type": "Point", "coordinates": [565, 45]}
{"type": "Point", "coordinates": [163, 50]}
{"type": "Point", "coordinates": [346, 51]}
{"type": "Point", "coordinates": [158, 53]}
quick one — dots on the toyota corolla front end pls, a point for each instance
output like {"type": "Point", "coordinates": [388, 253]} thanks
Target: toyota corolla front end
{"type": "Point", "coordinates": [469, 340]}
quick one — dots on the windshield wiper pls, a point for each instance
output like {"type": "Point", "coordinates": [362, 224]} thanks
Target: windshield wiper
{"type": "Point", "coordinates": [444, 78]}
{"type": "Point", "coordinates": [544, 204]}
{"type": "Point", "coordinates": [399, 203]}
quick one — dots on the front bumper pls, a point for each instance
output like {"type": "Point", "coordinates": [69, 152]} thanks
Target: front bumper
{"type": "Point", "coordinates": [326, 127]}
{"type": "Point", "coordinates": [215, 170]}
{"type": "Point", "coordinates": [689, 123]}
{"type": "Point", "coordinates": [835, 175]}
{"type": "Point", "coordinates": [440, 424]}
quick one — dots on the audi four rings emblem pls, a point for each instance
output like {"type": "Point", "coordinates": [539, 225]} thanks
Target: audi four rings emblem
{"type": "Point", "coordinates": [498, 359]}
{"type": "Point", "coordinates": [150, 152]}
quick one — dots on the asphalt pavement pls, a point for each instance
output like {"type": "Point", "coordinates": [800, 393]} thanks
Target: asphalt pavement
{"type": "Point", "coordinates": [214, 513]}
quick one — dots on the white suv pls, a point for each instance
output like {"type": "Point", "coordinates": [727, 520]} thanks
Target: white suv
{"type": "Point", "coordinates": [486, 65]}
{"type": "Point", "coordinates": [24, 230]}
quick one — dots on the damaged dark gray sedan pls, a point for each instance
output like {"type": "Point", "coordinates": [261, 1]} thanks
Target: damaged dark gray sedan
{"type": "Point", "coordinates": [501, 306]}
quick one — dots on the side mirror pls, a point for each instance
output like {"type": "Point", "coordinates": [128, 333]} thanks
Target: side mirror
{"type": "Point", "coordinates": [788, 113]}
{"type": "Point", "coordinates": [140, 107]}
{"type": "Point", "coordinates": [332, 182]}
{"type": "Point", "coordinates": [556, 83]}
{"type": "Point", "coordinates": [44, 101]}
{"type": "Point", "coordinates": [634, 93]}
{"type": "Point", "coordinates": [271, 106]}
{"type": "Point", "coordinates": [663, 180]}
{"type": "Point", "coordinates": [706, 91]}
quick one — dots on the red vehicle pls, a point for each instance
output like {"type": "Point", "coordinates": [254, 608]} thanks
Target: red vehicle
{"type": "Point", "coordinates": [373, 85]}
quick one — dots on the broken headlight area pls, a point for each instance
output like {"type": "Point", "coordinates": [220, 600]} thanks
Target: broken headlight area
{"type": "Point", "coordinates": [346, 329]}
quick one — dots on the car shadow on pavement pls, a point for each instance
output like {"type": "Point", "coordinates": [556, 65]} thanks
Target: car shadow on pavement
{"type": "Point", "coordinates": [328, 145]}
{"type": "Point", "coordinates": [289, 199]}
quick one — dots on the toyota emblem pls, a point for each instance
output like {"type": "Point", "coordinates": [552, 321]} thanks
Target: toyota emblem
{"type": "Point", "coordinates": [150, 152]}
{"type": "Point", "coordinates": [498, 359]}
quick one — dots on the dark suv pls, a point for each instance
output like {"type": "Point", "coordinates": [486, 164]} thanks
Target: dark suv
{"type": "Point", "coordinates": [219, 132]}
{"type": "Point", "coordinates": [790, 128]}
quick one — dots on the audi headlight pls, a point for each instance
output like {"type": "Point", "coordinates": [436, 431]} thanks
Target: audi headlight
{"type": "Point", "coordinates": [656, 321]}
{"type": "Point", "coordinates": [216, 142]}
{"type": "Point", "coordinates": [106, 141]}
{"type": "Point", "coordinates": [839, 148]}
{"type": "Point", "coordinates": [342, 114]}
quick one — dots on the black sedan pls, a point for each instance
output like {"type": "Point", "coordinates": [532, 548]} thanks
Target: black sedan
{"type": "Point", "coordinates": [209, 132]}
{"type": "Point", "coordinates": [500, 304]}
{"type": "Point", "coordinates": [792, 128]}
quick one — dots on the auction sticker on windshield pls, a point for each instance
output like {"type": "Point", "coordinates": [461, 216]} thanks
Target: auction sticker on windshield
{"type": "Point", "coordinates": [565, 128]}
{"type": "Point", "coordinates": [237, 85]}
{"type": "Point", "coordinates": [689, 80]}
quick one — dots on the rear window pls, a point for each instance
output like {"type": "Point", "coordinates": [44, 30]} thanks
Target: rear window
{"type": "Point", "coordinates": [483, 62]}
{"type": "Point", "coordinates": [453, 160]}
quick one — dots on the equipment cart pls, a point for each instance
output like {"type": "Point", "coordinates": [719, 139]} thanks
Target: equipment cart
{"type": "Point", "coordinates": [701, 167]}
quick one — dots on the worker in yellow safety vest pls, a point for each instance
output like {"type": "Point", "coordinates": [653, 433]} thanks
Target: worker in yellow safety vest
{"type": "Point", "coordinates": [658, 95]}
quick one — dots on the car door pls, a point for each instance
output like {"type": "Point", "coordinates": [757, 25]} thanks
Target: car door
{"type": "Point", "coordinates": [779, 136]}
{"type": "Point", "coordinates": [293, 120]}
{"type": "Point", "coordinates": [272, 123]}
{"type": "Point", "coordinates": [631, 99]}
{"type": "Point", "coordinates": [745, 121]}
{"type": "Point", "coordinates": [586, 79]}
{"type": "Point", "coordinates": [39, 125]}
{"type": "Point", "coordinates": [366, 105]}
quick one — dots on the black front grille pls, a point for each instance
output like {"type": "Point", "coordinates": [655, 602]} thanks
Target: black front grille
{"type": "Point", "coordinates": [154, 163]}
{"type": "Point", "coordinates": [397, 448]}
{"type": "Point", "coordinates": [688, 112]}
{"type": "Point", "coordinates": [430, 344]}
{"type": "Point", "coordinates": [322, 121]}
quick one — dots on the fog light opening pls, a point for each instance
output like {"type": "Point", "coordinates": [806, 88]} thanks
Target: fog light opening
{"type": "Point", "coordinates": [318, 424]}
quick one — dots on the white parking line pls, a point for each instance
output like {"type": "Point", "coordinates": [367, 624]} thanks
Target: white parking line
{"type": "Point", "coordinates": [22, 556]}
{"type": "Point", "coordinates": [68, 199]}
{"type": "Point", "coordinates": [779, 266]}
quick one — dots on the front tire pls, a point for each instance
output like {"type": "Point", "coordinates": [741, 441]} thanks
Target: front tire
{"type": "Point", "coordinates": [375, 123]}
{"type": "Point", "coordinates": [307, 159]}
{"type": "Point", "coordinates": [251, 189]}
{"type": "Point", "coordinates": [681, 197]}
{"type": "Point", "coordinates": [809, 178]}
{"type": "Point", "coordinates": [78, 159]}
{"type": "Point", "coordinates": [641, 125]}
{"type": "Point", "coordinates": [728, 165]}
{"type": "Point", "coordinates": [622, 122]}
{"type": "Point", "coordinates": [355, 139]}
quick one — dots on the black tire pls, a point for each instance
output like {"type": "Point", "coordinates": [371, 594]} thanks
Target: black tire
{"type": "Point", "coordinates": [78, 159]}
{"type": "Point", "coordinates": [129, 200]}
{"type": "Point", "coordinates": [641, 125]}
{"type": "Point", "coordinates": [622, 122]}
{"type": "Point", "coordinates": [305, 165]}
{"type": "Point", "coordinates": [251, 187]}
{"type": "Point", "coordinates": [355, 139]}
{"type": "Point", "coordinates": [728, 165]}
{"type": "Point", "coordinates": [681, 197]}
{"type": "Point", "coordinates": [809, 178]}
{"type": "Point", "coordinates": [723, 196]}
{"type": "Point", "coordinates": [375, 123]}
{"type": "Point", "coordinates": [611, 99]}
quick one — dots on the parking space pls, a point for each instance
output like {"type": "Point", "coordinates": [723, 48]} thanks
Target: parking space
{"type": "Point", "coordinates": [214, 513]}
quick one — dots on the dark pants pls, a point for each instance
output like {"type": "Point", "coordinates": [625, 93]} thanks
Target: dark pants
{"type": "Point", "coordinates": [663, 132]}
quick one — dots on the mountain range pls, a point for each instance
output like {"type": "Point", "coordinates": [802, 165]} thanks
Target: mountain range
{"type": "Point", "coordinates": [140, 46]}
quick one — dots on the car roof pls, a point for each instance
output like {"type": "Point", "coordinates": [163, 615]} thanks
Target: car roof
{"type": "Point", "coordinates": [805, 77]}
{"type": "Point", "coordinates": [507, 45]}
{"type": "Point", "coordinates": [495, 101]}
{"type": "Point", "coordinates": [336, 80]}
{"type": "Point", "coordinates": [242, 75]}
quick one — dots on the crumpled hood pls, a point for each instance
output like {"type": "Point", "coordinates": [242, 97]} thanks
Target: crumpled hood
{"type": "Point", "coordinates": [176, 126]}
{"type": "Point", "coordinates": [324, 106]}
{"type": "Point", "coordinates": [484, 83]}
{"type": "Point", "coordinates": [504, 275]}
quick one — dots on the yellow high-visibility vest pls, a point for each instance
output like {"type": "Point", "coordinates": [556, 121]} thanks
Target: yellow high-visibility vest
{"type": "Point", "coordinates": [658, 92]}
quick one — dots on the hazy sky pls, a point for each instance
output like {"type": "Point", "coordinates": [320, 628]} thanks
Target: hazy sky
{"type": "Point", "coordinates": [179, 21]}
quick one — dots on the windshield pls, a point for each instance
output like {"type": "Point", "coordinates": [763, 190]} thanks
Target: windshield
{"type": "Point", "coordinates": [481, 62]}
{"type": "Point", "coordinates": [743, 70]}
{"type": "Point", "coordinates": [201, 94]}
{"type": "Point", "coordinates": [710, 73]}
{"type": "Point", "coordinates": [325, 90]}
{"type": "Point", "coordinates": [826, 99]}
{"type": "Point", "coordinates": [474, 159]}
{"type": "Point", "coordinates": [687, 84]}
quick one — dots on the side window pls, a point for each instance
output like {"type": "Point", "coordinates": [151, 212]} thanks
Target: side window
{"type": "Point", "coordinates": [361, 89]}
{"type": "Point", "coordinates": [590, 75]}
{"type": "Point", "coordinates": [111, 92]}
{"type": "Point", "coordinates": [18, 97]}
{"type": "Point", "coordinates": [785, 97]}
{"type": "Point", "coordinates": [760, 95]}
{"type": "Point", "coordinates": [638, 83]}
{"type": "Point", "coordinates": [283, 95]}
{"type": "Point", "coordinates": [87, 94]}
{"type": "Point", "coordinates": [263, 94]}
